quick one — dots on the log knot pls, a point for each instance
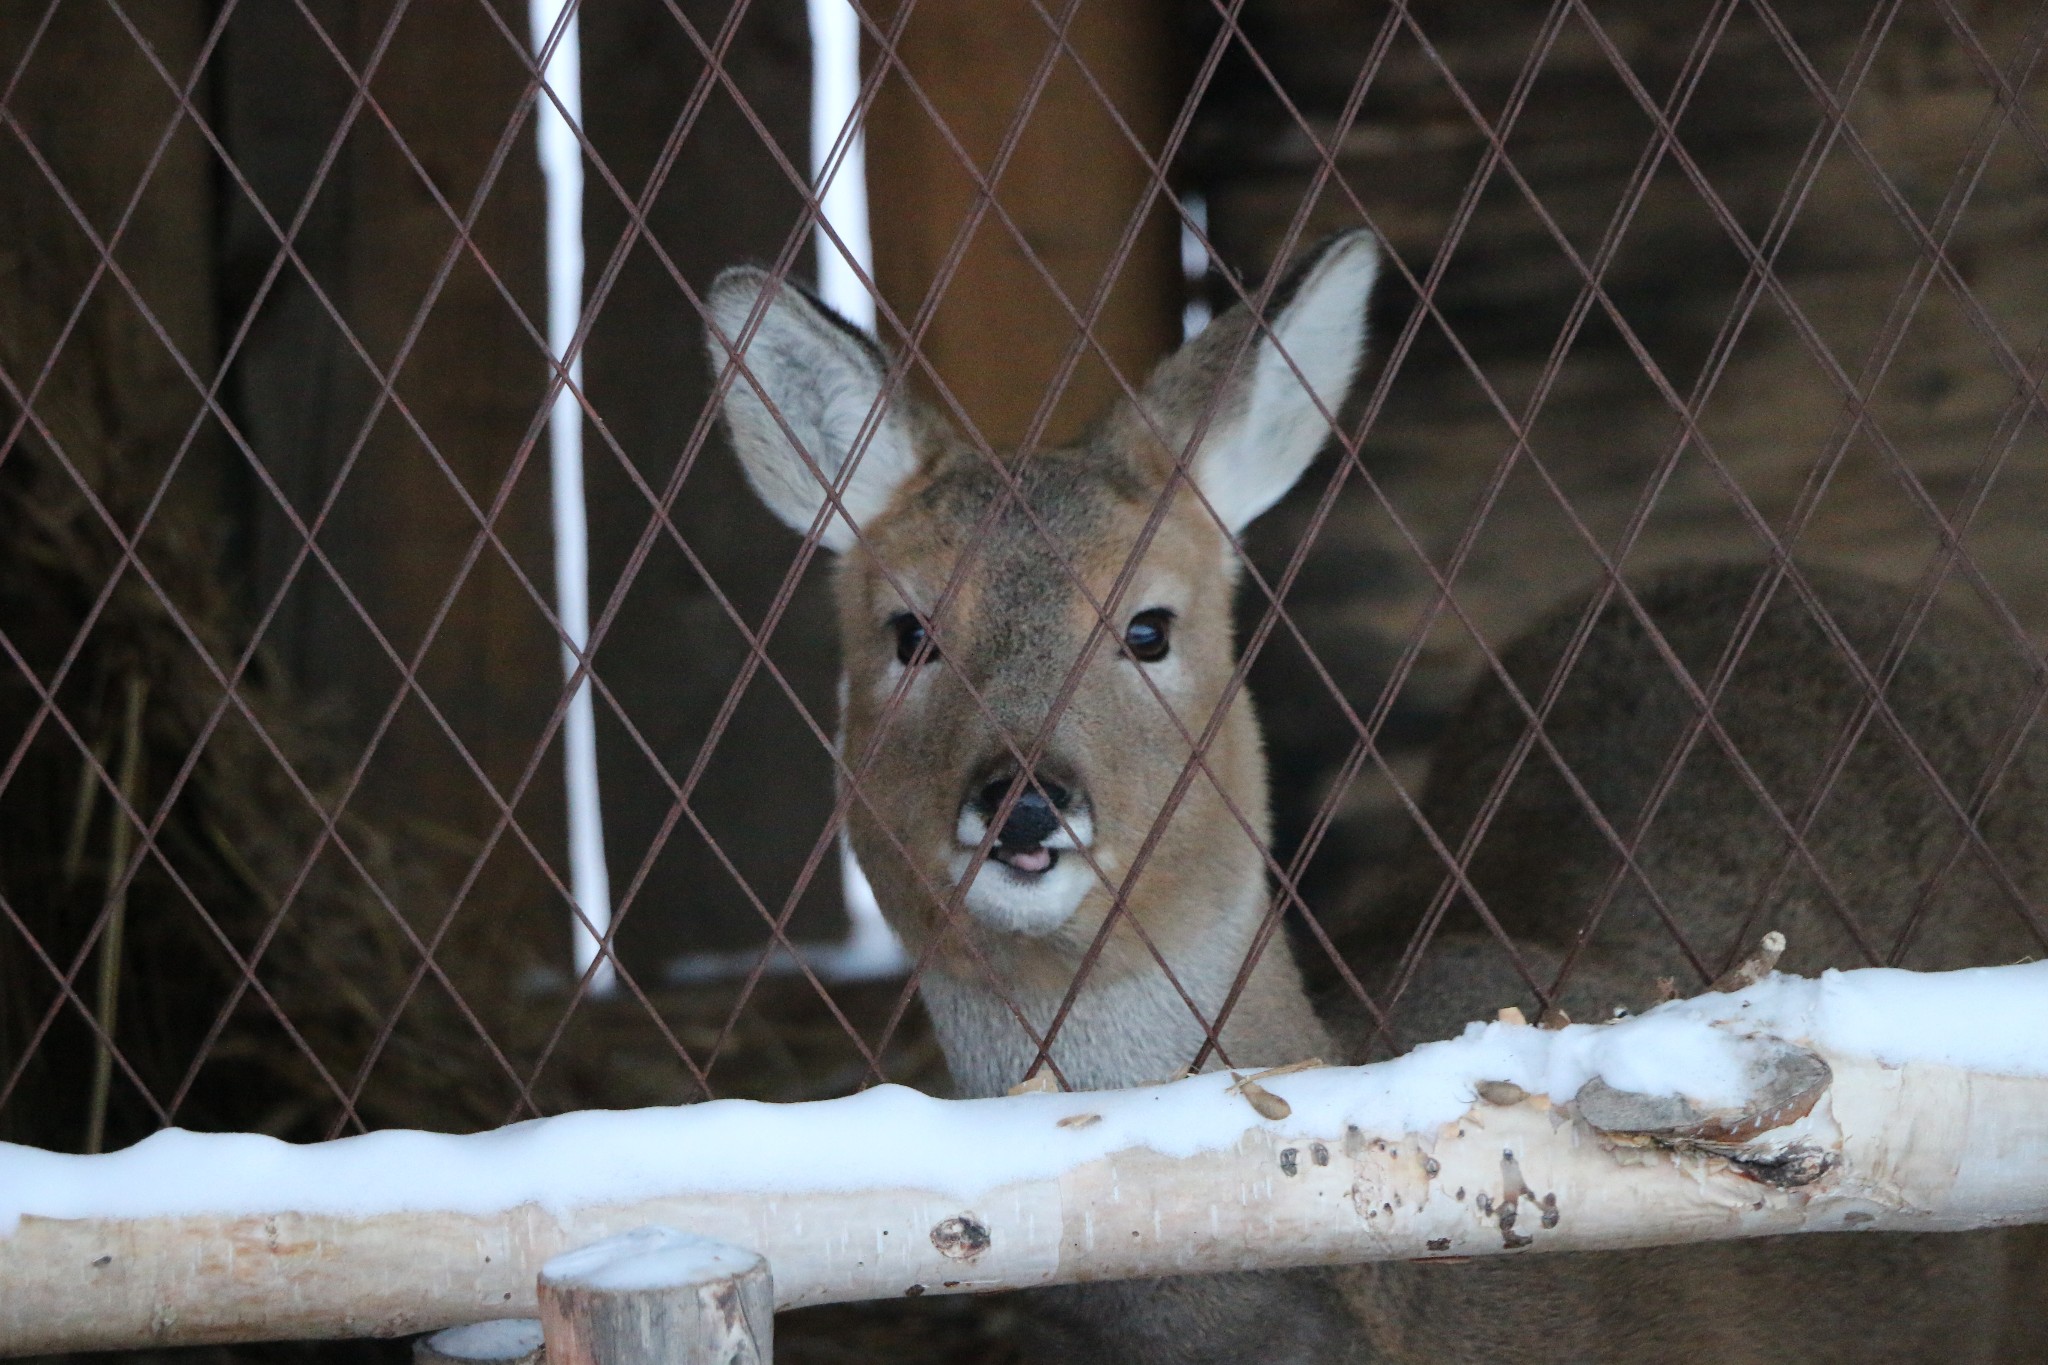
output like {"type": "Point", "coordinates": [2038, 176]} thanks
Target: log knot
{"type": "Point", "coordinates": [962, 1238]}
{"type": "Point", "coordinates": [1786, 1081]}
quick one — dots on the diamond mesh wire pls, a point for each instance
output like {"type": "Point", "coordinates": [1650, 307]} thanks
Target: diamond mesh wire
{"type": "Point", "coordinates": [1281, 151]}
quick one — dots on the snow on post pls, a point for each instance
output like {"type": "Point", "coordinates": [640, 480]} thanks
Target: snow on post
{"type": "Point", "coordinates": [499, 1341]}
{"type": "Point", "coordinates": [1865, 1100]}
{"type": "Point", "coordinates": [656, 1296]}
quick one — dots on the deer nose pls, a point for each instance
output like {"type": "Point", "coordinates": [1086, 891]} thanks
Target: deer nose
{"type": "Point", "coordinates": [1033, 817]}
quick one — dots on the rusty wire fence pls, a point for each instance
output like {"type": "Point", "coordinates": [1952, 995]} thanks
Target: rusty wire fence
{"type": "Point", "coordinates": [1733, 283]}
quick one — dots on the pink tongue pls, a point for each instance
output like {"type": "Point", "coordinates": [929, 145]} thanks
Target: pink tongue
{"type": "Point", "coordinates": [1036, 860]}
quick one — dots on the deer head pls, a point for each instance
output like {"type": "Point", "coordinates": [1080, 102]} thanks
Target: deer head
{"type": "Point", "coordinates": [1034, 646]}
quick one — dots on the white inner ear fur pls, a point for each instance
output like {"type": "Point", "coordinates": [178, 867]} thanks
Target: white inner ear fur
{"type": "Point", "coordinates": [1247, 465]}
{"type": "Point", "coordinates": [826, 384]}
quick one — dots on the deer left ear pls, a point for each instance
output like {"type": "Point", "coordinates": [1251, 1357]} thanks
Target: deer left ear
{"type": "Point", "coordinates": [811, 410]}
{"type": "Point", "coordinates": [1270, 394]}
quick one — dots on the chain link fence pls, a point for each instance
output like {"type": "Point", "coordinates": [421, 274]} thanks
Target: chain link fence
{"type": "Point", "coordinates": [283, 832]}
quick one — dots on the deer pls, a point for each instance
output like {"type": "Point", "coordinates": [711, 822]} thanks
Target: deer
{"type": "Point", "coordinates": [1062, 807]}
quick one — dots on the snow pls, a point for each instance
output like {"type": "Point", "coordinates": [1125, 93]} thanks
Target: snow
{"type": "Point", "coordinates": [499, 1339]}
{"type": "Point", "coordinates": [649, 1258]}
{"type": "Point", "coordinates": [1992, 1020]}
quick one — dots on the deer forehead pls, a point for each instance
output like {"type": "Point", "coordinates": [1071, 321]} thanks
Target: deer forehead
{"type": "Point", "coordinates": [1040, 547]}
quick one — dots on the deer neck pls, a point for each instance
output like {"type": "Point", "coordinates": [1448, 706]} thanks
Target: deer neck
{"type": "Point", "coordinates": [1129, 1027]}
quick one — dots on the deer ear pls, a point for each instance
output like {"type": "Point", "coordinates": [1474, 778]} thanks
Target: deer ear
{"type": "Point", "coordinates": [1270, 394]}
{"type": "Point", "coordinates": [806, 408]}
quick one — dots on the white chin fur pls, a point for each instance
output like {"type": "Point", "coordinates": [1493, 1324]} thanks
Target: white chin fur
{"type": "Point", "coordinates": [1021, 903]}
{"type": "Point", "coordinates": [1024, 903]}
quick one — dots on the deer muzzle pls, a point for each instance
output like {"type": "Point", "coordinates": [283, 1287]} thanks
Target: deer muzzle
{"type": "Point", "coordinates": [1031, 880]}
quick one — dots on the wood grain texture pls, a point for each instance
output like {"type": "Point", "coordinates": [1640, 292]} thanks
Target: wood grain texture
{"type": "Point", "coordinates": [716, 1314]}
{"type": "Point", "coordinates": [418, 265]}
{"type": "Point", "coordinates": [1508, 285]}
{"type": "Point", "coordinates": [999, 334]}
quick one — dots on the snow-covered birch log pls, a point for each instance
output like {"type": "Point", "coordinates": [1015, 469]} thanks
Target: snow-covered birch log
{"type": "Point", "coordinates": [1866, 1100]}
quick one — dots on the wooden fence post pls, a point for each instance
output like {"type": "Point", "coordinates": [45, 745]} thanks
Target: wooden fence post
{"type": "Point", "coordinates": [501, 1341]}
{"type": "Point", "coordinates": [655, 1296]}
{"type": "Point", "coordinates": [1070, 186]}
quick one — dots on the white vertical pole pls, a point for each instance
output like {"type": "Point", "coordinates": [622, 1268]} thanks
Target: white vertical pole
{"type": "Point", "coordinates": [1194, 265]}
{"type": "Point", "coordinates": [561, 161]}
{"type": "Point", "coordinates": [871, 947]}
{"type": "Point", "coordinates": [842, 185]}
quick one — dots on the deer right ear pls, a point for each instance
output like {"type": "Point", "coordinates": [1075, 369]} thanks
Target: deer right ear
{"type": "Point", "coordinates": [805, 406]}
{"type": "Point", "coordinates": [1246, 405]}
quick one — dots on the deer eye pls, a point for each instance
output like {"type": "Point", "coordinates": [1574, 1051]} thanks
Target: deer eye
{"type": "Point", "coordinates": [910, 638]}
{"type": "Point", "coordinates": [1146, 634]}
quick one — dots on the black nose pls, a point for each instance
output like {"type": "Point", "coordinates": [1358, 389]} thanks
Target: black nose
{"type": "Point", "coordinates": [1032, 819]}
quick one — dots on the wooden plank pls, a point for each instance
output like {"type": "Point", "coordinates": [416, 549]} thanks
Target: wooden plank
{"type": "Point", "coordinates": [470, 383]}
{"type": "Point", "coordinates": [1918, 1146]}
{"type": "Point", "coordinates": [656, 1296]}
{"type": "Point", "coordinates": [673, 654]}
{"type": "Point", "coordinates": [1000, 335]}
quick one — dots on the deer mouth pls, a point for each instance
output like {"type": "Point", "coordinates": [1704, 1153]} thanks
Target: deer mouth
{"type": "Point", "coordinates": [1032, 862]}
{"type": "Point", "coordinates": [1026, 885]}
{"type": "Point", "coordinates": [1027, 853]}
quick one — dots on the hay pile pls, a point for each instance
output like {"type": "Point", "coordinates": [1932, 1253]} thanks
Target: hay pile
{"type": "Point", "coordinates": [135, 696]}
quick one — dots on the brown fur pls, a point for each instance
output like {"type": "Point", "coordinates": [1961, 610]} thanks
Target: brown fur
{"type": "Point", "coordinates": [1021, 570]}
{"type": "Point", "coordinates": [1011, 637]}
{"type": "Point", "coordinates": [1710, 852]}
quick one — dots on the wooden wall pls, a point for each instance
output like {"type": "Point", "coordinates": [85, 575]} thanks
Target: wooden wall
{"type": "Point", "coordinates": [474, 383]}
{"type": "Point", "coordinates": [1071, 185]}
{"type": "Point", "coordinates": [674, 653]}
{"type": "Point", "coordinates": [1411, 165]}
{"type": "Point", "coordinates": [443, 319]}
{"type": "Point", "coordinates": [376, 238]}
{"type": "Point", "coordinates": [382, 285]}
